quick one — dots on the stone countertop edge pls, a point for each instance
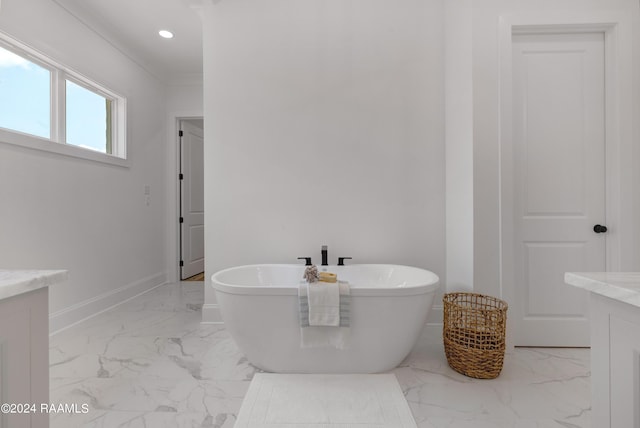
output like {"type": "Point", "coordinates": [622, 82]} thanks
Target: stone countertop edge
{"type": "Point", "coordinates": [14, 282]}
{"type": "Point", "coordinates": [621, 286]}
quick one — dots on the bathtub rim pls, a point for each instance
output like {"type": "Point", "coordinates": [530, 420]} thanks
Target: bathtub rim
{"type": "Point", "coordinates": [430, 287]}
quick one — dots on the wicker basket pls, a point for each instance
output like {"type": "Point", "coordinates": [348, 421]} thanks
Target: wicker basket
{"type": "Point", "coordinates": [474, 334]}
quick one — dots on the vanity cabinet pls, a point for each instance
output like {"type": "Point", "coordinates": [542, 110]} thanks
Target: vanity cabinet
{"type": "Point", "coordinates": [615, 346]}
{"type": "Point", "coordinates": [24, 345]}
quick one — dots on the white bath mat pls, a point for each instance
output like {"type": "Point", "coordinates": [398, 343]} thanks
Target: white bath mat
{"type": "Point", "coordinates": [324, 401]}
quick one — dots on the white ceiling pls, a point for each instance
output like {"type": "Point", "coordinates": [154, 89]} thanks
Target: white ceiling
{"type": "Point", "coordinates": [132, 26]}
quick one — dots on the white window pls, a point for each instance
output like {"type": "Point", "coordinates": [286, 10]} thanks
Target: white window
{"type": "Point", "coordinates": [46, 106]}
{"type": "Point", "coordinates": [25, 95]}
{"type": "Point", "coordinates": [88, 118]}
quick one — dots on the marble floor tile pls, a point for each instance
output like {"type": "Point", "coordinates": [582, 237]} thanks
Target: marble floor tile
{"type": "Point", "coordinates": [150, 394]}
{"type": "Point", "coordinates": [147, 420]}
{"type": "Point", "coordinates": [151, 363]}
{"type": "Point", "coordinates": [186, 296]}
{"type": "Point", "coordinates": [117, 322]}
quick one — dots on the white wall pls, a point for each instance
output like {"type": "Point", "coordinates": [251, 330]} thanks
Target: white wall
{"type": "Point", "coordinates": [185, 98]}
{"type": "Point", "coordinates": [324, 123]}
{"type": "Point", "coordinates": [486, 127]}
{"type": "Point", "coordinates": [87, 217]}
{"type": "Point", "coordinates": [458, 81]}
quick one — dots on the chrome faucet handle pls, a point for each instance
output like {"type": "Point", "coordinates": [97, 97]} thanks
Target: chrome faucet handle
{"type": "Point", "coordinates": [342, 259]}
{"type": "Point", "coordinates": [307, 260]}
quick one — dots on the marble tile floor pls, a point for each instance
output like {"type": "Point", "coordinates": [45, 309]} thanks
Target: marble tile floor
{"type": "Point", "coordinates": [150, 363]}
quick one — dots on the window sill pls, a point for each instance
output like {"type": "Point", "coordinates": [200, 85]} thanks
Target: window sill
{"type": "Point", "coordinates": [37, 143]}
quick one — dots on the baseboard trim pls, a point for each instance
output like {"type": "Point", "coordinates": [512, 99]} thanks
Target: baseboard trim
{"type": "Point", "coordinates": [435, 315]}
{"type": "Point", "coordinates": [81, 311]}
{"type": "Point", "coordinates": [431, 334]}
{"type": "Point", "coordinates": [432, 331]}
{"type": "Point", "coordinates": [211, 314]}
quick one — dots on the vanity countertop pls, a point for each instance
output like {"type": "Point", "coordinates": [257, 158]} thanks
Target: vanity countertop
{"type": "Point", "coordinates": [621, 286]}
{"type": "Point", "coordinates": [15, 282]}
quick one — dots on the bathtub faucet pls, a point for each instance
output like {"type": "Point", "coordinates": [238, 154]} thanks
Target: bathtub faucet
{"type": "Point", "coordinates": [307, 260]}
{"type": "Point", "coordinates": [325, 255]}
{"type": "Point", "coordinates": [342, 259]}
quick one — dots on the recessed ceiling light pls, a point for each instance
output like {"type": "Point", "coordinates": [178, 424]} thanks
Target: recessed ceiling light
{"type": "Point", "coordinates": [166, 34]}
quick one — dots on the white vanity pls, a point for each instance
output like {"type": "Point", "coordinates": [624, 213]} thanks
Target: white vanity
{"type": "Point", "coordinates": [24, 344]}
{"type": "Point", "coordinates": [615, 346]}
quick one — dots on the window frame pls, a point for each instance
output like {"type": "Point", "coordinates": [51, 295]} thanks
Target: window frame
{"type": "Point", "coordinates": [56, 143]}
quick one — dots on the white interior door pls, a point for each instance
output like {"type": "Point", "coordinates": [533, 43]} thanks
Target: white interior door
{"type": "Point", "coordinates": [559, 188]}
{"type": "Point", "coordinates": [191, 200]}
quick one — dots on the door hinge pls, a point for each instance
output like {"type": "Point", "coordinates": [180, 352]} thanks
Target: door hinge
{"type": "Point", "coordinates": [181, 219]}
{"type": "Point", "coordinates": [180, 133]}
{"type": "Point", "coordinates": [180, 176]}
{"type": "Point", "coordinates": [181, 263]}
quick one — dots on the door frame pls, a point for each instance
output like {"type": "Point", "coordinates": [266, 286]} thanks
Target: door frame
{"type": "Point", "coordinates": [618, 126]}
{"type": "Point", "coordinates": [181, 181]}
{"type": "Point", "coordinates": [173, 191]}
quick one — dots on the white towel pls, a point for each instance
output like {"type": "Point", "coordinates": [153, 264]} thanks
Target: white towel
{"type": "Point", "coordinates": [324, 336]}
{"type": "Point", "coordinates": [324, 304]}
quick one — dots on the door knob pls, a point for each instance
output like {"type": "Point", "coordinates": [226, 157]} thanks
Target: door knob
{"type": "Point", "coordinates": [599, 228]}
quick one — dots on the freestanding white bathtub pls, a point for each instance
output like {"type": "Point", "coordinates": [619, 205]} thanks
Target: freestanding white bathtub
{"type": "Point", "coordinates": [389, 307]}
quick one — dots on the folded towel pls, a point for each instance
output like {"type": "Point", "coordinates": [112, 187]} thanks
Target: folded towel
{"type": "Point", "coordinates": [324, 304]}
{"type": "Point", "coordinates": [345, 304]}
{"type": "Point", "coordinates": [325, 336]}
